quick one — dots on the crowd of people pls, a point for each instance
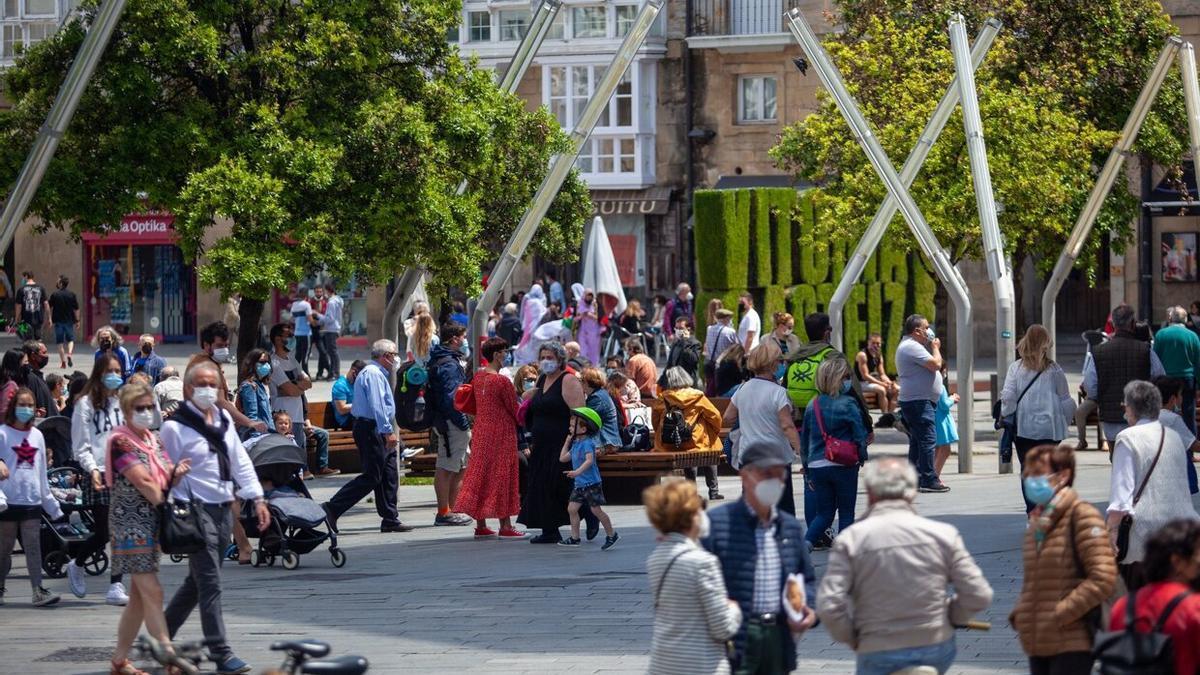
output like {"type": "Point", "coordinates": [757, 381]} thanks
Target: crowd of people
{"type": "Point", "coordinates": [520, 442]}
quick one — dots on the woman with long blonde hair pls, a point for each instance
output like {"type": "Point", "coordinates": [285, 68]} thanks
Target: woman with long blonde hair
{"type": "Point", "coordinates": [423, 339]}
{"type": "Point", "coordinates": [1036, 391]}
{"type": "Point", "coordinates": [710, 312]}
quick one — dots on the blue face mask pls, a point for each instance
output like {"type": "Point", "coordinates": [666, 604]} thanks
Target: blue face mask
{"type": "Point", "coordinates": [290, 344]}
{"type": "Point", "coordinates": [24, 414]}
{"type": "Point", "coordinates": [263, 369]}
{"type": "Point", "coordinates": [1039, 490]}
{"type": "Point", "coordinates": [466, 351]}
{"type": "Point", "coordinates": [113, 381]}
{"type": "Point", "coordinates": [846, 386]}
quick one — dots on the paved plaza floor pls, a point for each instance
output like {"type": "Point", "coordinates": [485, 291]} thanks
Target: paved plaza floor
{"type": "Point", "coordinates": [436, 601]}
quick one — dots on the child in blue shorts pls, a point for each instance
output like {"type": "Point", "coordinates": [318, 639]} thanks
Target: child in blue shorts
{"type": "Point", "coordinates": [580, 451]}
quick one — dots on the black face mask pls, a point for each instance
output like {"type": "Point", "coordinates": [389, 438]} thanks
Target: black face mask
{"type": "Point", "coordinates": [146, 349]}
{"type": "Point", "coordinates": [105, 345]}
{"type": "Point", "coordinates": [42, 361]}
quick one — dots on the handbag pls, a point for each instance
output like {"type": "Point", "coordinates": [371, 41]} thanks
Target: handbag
{"type": "Point", "coordinates": [1009, 421]}
{"type": "Point", "coordinates": [837, 450]}
{"type": "Point", "coordinates": [464, 399]}
{"type": "Point", "coordinates": [1126, 525]}
{"type": "Point", "coordinates": [180, 530]}
{"type": "Point", "coordinates": [636, 436]}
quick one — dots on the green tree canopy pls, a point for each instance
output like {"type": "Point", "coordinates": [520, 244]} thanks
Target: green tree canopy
{"type": "Point", "coordinates": [1054, 91]}
{"type": "Point", "coordinates": [330, 133]}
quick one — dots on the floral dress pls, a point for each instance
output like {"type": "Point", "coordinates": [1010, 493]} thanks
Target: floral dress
{"type": "Point", "coordinates": [133, 521]}
{"type": "Point", "coordinates": [489, 488]}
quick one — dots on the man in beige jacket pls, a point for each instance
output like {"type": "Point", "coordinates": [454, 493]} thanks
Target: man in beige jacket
{"type": "Point", "coordinates": [884, 591]}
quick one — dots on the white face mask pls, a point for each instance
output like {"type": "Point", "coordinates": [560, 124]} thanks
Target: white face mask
{"type": "Point", "coordinates": [221, 353]}
{"type": "Point", "coordinates": [204, 397]}
{"type": "Point", "coordinates": [705, 525]}
{"type": "Point", "coordinates": [549, 367]}
{"type": "Point", "coordinates": [768, 491]}
{"type": "Point", "coordinates": [143, 419]}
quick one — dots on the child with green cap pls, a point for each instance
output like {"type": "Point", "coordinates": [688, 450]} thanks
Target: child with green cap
{"type": "Point", "coordinates": [580, 451]}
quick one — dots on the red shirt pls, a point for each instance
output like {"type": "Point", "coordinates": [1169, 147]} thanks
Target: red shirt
{"type": "Point", "coordinates": [1183, 626]}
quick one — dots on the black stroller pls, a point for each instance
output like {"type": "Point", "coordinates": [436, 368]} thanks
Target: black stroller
{"type": "Point", "coordinates": [298, 524]}
{"type": "Point", "coordinates": [61, 540]}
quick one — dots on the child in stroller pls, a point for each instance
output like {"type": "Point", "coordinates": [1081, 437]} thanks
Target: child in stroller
{"type": "Point", "coordinates": [298, 524]}
{"type": "Point", "coordinates": [62, 540]}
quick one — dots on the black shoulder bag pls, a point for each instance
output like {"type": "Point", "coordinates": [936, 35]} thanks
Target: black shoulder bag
{"type": "Point", "coordinates": [180, 531]}
{"type": "Point", "coordinates": [1009, 422]}
{"type": "Point", "coordinates": [1127, 520]}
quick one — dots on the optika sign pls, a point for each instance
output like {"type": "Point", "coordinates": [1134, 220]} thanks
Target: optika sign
{"type": "Point", "coordinates": [140, 226]}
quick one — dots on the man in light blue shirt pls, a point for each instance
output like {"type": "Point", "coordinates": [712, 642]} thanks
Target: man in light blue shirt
{"type": "Point", "coordinates": [373, 410]}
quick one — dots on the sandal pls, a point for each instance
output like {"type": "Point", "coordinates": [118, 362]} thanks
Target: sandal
{"type": "Point", "coordinates": [125, 668]}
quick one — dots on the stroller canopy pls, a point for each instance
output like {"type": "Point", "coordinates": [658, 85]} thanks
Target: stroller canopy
{"type": "Point", "coordinates": [276, 449]}
{"type": "Point", "coordinates": [57, 432]}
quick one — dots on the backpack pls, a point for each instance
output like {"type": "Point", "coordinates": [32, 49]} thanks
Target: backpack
{"type": "Point", "coordinates": [801, 379]}
{"type": "Point", "coordinates": [411, 411]}
{"type": "Point", "coordinates": [675, 430]}
{"type": "Point", "coordinates": [1129, 652]}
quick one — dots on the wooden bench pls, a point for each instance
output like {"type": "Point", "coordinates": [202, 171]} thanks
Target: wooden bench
{"type": "Point", "coordinates": [343, 451]}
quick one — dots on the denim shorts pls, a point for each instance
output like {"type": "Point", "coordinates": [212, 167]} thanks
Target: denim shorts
{"type": "Point", "coordinates": [589, 495]}
{"type": "Point", "coordinates": [64, 333]}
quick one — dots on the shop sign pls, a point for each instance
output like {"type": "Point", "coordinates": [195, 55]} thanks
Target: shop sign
{"type": "Point", "coordinates": [139, 228]}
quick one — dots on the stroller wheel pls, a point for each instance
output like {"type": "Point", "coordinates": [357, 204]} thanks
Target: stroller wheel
{"type": "Point", "coordinates": [337, 557]}
{"type": "Point", "coordinates": [256, 558]}
{"type": "Point", "coordinates": [291, 560]}
{"type": "Point", "coordinates": [96, 564]}
{"type": "Point", "coordinates": [176, 557]}
{"type": "Point", "coordinates": [54, 564]}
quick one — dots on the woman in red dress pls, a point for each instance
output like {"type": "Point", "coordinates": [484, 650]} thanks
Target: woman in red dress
{"type": "Point", "coordinates": [489, 488]}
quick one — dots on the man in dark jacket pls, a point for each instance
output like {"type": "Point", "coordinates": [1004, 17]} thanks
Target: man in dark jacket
{"type": "Point", "coordinates": [1112, 365]}
{"type": "Point", "coordinates": [685, 352]}
{"type": "Point", "coordinates": [451, 428]}
{"type": "Point", "coordinates": [759, 546]}
{"type": "Point", "coordinates": [31, 376]}
{"type": "Point", "coordinates": [509, 327]}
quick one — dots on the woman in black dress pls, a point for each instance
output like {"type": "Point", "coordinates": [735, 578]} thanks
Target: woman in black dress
{"type": "Point", "coordinates": [548, 420]}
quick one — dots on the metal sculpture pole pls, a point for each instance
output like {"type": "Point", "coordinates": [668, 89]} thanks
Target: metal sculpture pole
{"type": "Point", "coordinates": [61, 112]}
{"type": "Point", "coordinates": [1191, 99]}
{"type": "Point", "coordinates": [985, 201]}
{"type": "Point", "coordinates": [560, 168]}
{"type": "Point", "coordinates": [873, 235]}
{"type": "Point", "coordinates": [540, 22]}
{"type": "Point", "coordinates": [832, 79]}
{"type": "Point", "coordinates": [1104, 182]}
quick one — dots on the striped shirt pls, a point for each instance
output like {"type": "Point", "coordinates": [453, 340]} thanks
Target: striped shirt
{"type": "Point", "coordinates": [768, 570]}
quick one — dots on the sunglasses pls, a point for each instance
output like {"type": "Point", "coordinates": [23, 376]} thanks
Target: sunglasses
{"type": "Point", "coordinates": [143, 408]}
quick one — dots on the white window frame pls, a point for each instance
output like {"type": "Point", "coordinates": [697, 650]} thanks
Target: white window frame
{"type": "Point", "coordinates": [741, 99]}
{"type": "Point", "coordinates": [606, 12]}
{"type": "Point", "coordinates": [524, 27]}
{"type": "Point", "coordinates": [471, 27]}
{"type": "Point", "coordinates": [26, 13]}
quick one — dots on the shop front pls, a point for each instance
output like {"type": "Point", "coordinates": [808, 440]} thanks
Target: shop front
{"type": "Point", "coordinates": [136, 280]}
{"type": "Point", "coordinates": [354, 311]}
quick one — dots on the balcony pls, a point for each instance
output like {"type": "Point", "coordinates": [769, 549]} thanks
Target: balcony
{"type": "Point", "coordinates": [742, 25]}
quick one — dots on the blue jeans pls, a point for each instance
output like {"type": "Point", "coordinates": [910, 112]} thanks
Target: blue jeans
{"type": "Point", "coordinates": [919, 417]}
{"type": "Point", "coordinates": [834, 488]}
{"type": "Point", "coordinates": [940, 656]}
{"type": "Point", "coordinates": [320, 438]}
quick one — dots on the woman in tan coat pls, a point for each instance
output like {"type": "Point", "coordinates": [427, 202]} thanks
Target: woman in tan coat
{"type": "Point", "coordinates": [1069, 567]}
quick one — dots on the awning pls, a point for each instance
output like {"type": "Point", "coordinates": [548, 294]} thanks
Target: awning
{"type": "Point", "coordinates": [653, 201]}
{"type": "Point", "coordinates": [758, 180]}
{"type": "Point", "coordinates": [1167, 200]}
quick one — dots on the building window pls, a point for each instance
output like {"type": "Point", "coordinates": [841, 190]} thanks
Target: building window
{"type": "Point", "coordinates": [619, 112]}
{"type": "Point", "coordinates": [756, 99]}
{"type": "Point", "coordinates": [625, 17]}
{"type": "Point", "coordinates": [12, 9]}
{"type": "Point", "coordinates": [513, 25]}
{"type": "Point", "coordinates": [38, 31]}
{"type": "Point", "coordinates": [452, 34]}
{"type": "Point", "coordinates": [613, 148]}
{"type": "Point", "coordinates": [40, 7]}
{"type": "Point", "coordinates": [590, 22]}
{"type": "Point", "coordinates": [558, 28]}
{"type": "Point", "coordinates": [480, 24]}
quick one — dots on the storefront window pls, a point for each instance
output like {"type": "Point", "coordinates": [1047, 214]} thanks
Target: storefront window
{"type": "Point", "coordinates": [354, 297]}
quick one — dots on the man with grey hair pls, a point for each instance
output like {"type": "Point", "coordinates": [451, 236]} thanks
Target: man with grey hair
{"type": "Point", "coordinates": [374, 410]}
{"type": "Point", "coordinates": [1112, 365]}
{"type": "Point", "coordinates": [1178, 348]}
{"type": "Point", "coordinates": [918, 367]}
{"type": "Point", "coordinates": [884, 591]}
{"type": "Point", "coordinates": [169, 390]}
{"type": "Point", "coordinates": [509, 327]}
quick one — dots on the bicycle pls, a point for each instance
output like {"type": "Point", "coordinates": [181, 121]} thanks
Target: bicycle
{"type": "Point", "coordinates": [300, 657]}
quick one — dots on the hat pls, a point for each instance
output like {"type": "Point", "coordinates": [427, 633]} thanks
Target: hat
{"type": "Point", "coordinates": [589, 416]}
{"type": "Point", "coordinates": [764, 456]}
{"type": "Point", "coordinates": [724, 313]}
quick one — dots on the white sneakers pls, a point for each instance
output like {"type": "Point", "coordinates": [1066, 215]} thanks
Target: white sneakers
{"type": "Point", "coordinates": [77, 579]}
{"type": "Point", "coordinates": [116, 595]}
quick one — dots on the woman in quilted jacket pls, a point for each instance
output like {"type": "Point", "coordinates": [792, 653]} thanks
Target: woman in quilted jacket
{"type": "Point", "coordinates": [1069, 567]}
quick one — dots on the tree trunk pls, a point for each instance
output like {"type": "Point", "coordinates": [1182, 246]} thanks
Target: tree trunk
{"type": "Point", "coordinates": [250, 310]}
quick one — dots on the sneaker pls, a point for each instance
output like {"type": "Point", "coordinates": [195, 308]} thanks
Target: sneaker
{"type": "Point", "coordinates": [44, 598]}
{"type": "Point", "coordinates": [570, 542]}
{"type": "Point", "coordinates": [410, 452]}
{"type": "Point", "coordinates": [511, 534]}
{"type": "Point", "coordinates": [116, 595]}
{"type": "Point", "coordinates": [936, 487]}
{"type": "Point", "coordinates": [484, 533]}
{"type": "Point", "coordinates": [232, 665]}
{"type": "Point", "coordinates": [76, 579]}
{"type": "Point", "coordinates": [609, 542]}
{"type": "Point", "coordinates": [308, 475]}
{"type": "Point", "coordinates": [395, 527]}
{"type": "Point", "coordinates": [456, 519]}
{"type": "Point", "coordinates": [546, 537]}
{"type": "Point", "coordinates": [714, 495]}
{"type": "Point", "coordinates": [327, 471]}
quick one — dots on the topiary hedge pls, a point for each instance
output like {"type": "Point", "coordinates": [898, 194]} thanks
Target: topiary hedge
{"type": "Point", "coordinates": [758, 240]}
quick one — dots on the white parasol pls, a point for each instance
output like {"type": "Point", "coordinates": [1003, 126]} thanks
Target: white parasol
{"type": "Point", "coordinates": [600, 269]}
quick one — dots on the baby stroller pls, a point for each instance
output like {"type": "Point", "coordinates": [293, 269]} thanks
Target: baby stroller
{"type": "Point", "coordinates": [61, 540]}
{"type": "Point", "coordinates": [298, 524]}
